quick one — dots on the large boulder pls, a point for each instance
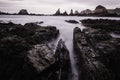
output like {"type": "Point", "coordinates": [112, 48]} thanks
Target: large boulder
{"type": "Point", "coordinates": [41, 57]}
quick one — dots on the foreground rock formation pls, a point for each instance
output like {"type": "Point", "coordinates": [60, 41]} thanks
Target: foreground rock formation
{"type": "Point", "coordinates": [63, 58]}
{"type": "Point", "coordinates": [98, 38]}
{"type": "Point", "coordinates": [24, 54]}
{"type": "Point", "coordinates": [91, 66]}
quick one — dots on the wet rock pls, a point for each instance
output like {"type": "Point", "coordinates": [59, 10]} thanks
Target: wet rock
{"type": "Point", "coordinates": [108, 47]}
{"type": "Point", "coordinates": [15, 42]}
{"type": "Point", "coordinates": [13, 45]}
{"type": "Point", "coordinates": [104, 24]}
{"type": "Point", "coordinates": [117, 32]}
{"type": "Point", "coordinates": [72, 21]}
{"type": "Point", "coordinates": [41, 57]}
{"type": "Point", "coordinates": [91, 66]}
{"type": "Point", "coordinates": [110, 50]}
{"type": "Point", "coordinates": [30, 32]}
{"type": "Point", "coordinates": [62, 54]}
{"type": "Point", "coordinates": [97, 34]}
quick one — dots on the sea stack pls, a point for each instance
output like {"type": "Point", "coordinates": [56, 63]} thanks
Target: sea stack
{"type": "Point", "coordinates": [57, 12]}
{"type": "Point", "coordinates": [65, 13]}
{"type": "Point", "coordinates": [71, 13]}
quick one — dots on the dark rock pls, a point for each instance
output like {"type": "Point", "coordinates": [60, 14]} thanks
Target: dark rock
{"type": "Point", "coordinates": [97, 34]}
{"type": "Point", "coordinates": [91, 66]}
{"type": "Point", "coordinates": [15, 42]}
{"type": "Point", "coordinates": [86, 12]}
{"type": "Point", "coordinates": [65, 13]}
{"type": "Point", "coordinates": [57, 13]}
{"type": "Point", "coordinates": [76, 13]}
{"type": "Point", "coordinates": [23, 12]}
{"type": "Point", "coordinates": [109, 49]}
{"type": "Point", "coordinates": [41, 57]}
{"type": "Point", "coordinates": [30, 32]}
{"type": "Point", "coordinates": [71, 13]}
{"type": "Point", "coordinates": [64, 60]}
{"type": "Point", "coordinates": [104, 24]}
{"type": "Point", "coordinates": [72, 21]}
{"type": "Point", "coordinates": [100, 10]}
{"type": "Point", "coordinates": [13, 45]}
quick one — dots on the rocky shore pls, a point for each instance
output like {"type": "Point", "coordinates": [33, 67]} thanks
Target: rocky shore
{"type": "Point", "coordinates": [24, 52]}
{"type": "Point", "coordinates": [98, 50]}
{"type": "Point", "coordinates": [91, 66]}
{"type": "Point", "coordinates": [104, 24]}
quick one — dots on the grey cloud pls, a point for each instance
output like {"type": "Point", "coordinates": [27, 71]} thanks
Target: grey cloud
{"type": "Point", "coordinates": [50, 5]}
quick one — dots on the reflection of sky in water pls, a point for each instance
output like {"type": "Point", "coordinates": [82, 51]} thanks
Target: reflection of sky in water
{"type": "Point", "coordinates": [66, 29]}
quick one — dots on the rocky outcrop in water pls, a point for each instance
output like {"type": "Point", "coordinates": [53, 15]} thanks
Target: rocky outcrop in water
{"type": "Point", "coordinates": [65, 13]}
{"type": "Point", "coordinates": [104, 24]}
{"type": "Point", "coordinates": [62, 54]}
{"type": "Point", "coordinates": [100, 10]}
{"type": "Point", "coordinates": [23, 12]}
{"type": "Point", "coordinates": [57, 13]}
{"type": "Point", "coordinates": [71, 13]}
{"type": "Point", "coordinates": [91, 65]}
{"type": "Point", "coordinates": [108, 46]}
{"type": "Point", "coordinates": [72, 21]}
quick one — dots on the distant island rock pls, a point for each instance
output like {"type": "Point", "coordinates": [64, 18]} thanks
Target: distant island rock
{"type": "Point", "coordinates": [23, 12]}
{"type": "Point", "coordinates": [100, 10]}
{"type": "Point", "coordinates": [65, 13]}
{"type": "Point", "coordinates": [71, 13]}
{"type": "Point", "coordinates": [57, 13]}
{"type": "Point", "coordinates": [86, 12]}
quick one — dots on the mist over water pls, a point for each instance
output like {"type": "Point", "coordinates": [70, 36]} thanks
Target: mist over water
{"type": "Point", "coordinates": [66, 30]}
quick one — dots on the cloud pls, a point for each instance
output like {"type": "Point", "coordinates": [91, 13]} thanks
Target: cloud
{"type": "Point", "coordinates": [50, 6]}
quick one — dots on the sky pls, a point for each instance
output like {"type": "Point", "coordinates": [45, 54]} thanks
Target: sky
{"type": "Point", "coordinates": [50, 6]}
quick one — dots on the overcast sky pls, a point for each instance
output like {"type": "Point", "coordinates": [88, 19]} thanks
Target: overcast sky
{"type": "Point", "coordinates": [50, 6]}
